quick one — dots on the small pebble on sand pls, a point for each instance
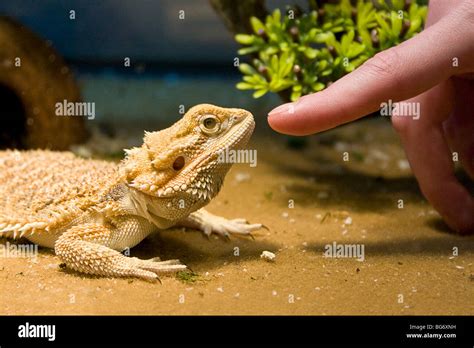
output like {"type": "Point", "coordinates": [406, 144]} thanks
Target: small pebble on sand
{"type": "Point", "coordinates": [241, 177]}
{"type": "Point", "coordinates": [403, 164]}
{"type": "Point", "coordinates": [268, 256]}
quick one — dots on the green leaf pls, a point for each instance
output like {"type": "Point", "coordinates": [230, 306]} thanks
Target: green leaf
{"type": "Point", "coordinates": [365, 15]}
{"type": "Point", "coordinates": [355, 49]}
{"type": "Point", "coordinates": [311, 53]}
{"type": "Point", "coordinates": [277, 15]}
{"type": "Point", "coordinates": [359, 60]}
{"type": "Point", "coordinates": [322, 37]}
{"type": "Point", "coordinates": [247, 50]}
{"type": "Point", "coordinates": [318, 86]}
{"type": "Point", "coordinates": [254, 79]}
{"type": "Point", "coordinates": [279, 85]}
{"type": "Point", "coordinates": [396, 24]}
{"type": "Point", "coordinates": [244, 39]}
{"type": "Point", "coordinates": [346, 8]}
{"type": "Point", "coordinates": [256, 24]}
{"type": "Point", "coordinates": [311, 36]}
{"type": "Point", "coordinates": [260, 92]}
{"type": "Point", "coordinates": [415, 24]}
{"type": "Point", "coordinates": [383, 24]}
{"type": "Point", "coordinates": [326, 72]}
{"type": "Point", "coordinates": [337, 29]}
{"type": "Point", "coordinates": [346, 41]}
{"type": "Point", "coordinates": [286, 84]}
{"type": "Point", "coordinates": [286, 64]}
{"type": "Point", "coordinates": [270, 50]}
{"type": "Point", "coordinates": [366, 39]}
{"type": "Point", "coordinates": [244, 85]}
{"type": "Point", "coordinates": [273, 37]}
{"type": "Point", "coordinates": [398, 4]}
{"type": "Point", "coordinates": [295, 95]}
{"type": "Point", "coordinates": [331, 40]}
{"type": "Point", "coordinates": [322, 64]}
{"type": "Point", "coordinates": [274, 64]}
{"type": "Point", "coordinates": [247, 69]}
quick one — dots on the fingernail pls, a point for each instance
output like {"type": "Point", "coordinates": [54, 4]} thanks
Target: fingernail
{"type": "Point", "coordinates": [288, 107]}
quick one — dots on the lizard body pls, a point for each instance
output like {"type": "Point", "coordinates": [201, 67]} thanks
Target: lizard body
{"type": "Point", "coordinates": [91, 210]}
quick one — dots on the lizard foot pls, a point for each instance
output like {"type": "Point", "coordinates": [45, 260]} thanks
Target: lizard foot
{"type": "Point", "coordinates": [209, 223]}
{"type": "Point", "coordinates": [150, 269]}
{"type": "Point", "coordinates": [224, 227]}
{"type": "Point", "coordinates": [80, 249]}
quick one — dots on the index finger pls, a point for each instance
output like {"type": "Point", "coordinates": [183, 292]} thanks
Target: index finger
{"type": "Point", "coordinates": [398, 73]}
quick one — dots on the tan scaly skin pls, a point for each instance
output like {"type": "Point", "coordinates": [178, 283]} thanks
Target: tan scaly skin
{"type": "Point", "coordinates": [89, 210]}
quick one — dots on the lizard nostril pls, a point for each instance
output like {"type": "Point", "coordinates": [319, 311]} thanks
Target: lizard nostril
{"type": "Point", "coordinates": [178, 163]}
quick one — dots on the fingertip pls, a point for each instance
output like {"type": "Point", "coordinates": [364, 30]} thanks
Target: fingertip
{"type": "Point", "coordinates": [282, 109]}
{"type": "Point", "coordinates": [455, 205]}
{"type": "Point", "coordinates": [275, 122]}
{"type": "Point", "coordinates": [464, 221]}
{"type": "Point", "coordinates": [299, 118]}
{"type": "Point", "coordinates": [286, 123]}
{"type": "Point", "coordinates": [280, 118]}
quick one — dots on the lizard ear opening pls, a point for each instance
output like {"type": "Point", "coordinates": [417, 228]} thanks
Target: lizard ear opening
{"type": "Point", "coordinates": [178, 163]}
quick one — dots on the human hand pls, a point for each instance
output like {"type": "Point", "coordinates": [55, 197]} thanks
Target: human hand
{"type": "Point", "coordinates": [424, 69]}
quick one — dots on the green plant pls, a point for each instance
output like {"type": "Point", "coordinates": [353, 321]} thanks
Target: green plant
{"type": "Point", "coordinates": [187, 277]}
{"type": "Point", "coordinates": [301, 53]}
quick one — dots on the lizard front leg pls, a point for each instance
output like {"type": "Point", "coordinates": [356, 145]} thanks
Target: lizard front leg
{"type": "Point", "coordinates": [86, 248]}
{"type": "Point", "coordinates": [209, 223]}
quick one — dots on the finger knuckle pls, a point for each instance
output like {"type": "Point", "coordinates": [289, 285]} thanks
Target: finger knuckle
{"type": "Point", "coordinates": [385, 64]}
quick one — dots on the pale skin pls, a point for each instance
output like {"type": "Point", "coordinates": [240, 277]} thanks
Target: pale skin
{"type": "Point", "coordinates": [420, 70]}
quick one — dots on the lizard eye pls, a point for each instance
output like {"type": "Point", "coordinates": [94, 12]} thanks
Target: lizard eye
{"type": "Point", "coordinates": [178, 163]}
{"type": "Point", "coordinates": [210, 124]}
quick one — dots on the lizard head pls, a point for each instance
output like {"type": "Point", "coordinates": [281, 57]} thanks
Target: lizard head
{"type": "Point", "coordinates": [181, 166]}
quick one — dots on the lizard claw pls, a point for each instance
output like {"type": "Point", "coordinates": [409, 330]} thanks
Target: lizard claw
{"type": "Point", "coordinates": [209, 223]}
{"type": "Point", "coordinates": [150, 269]}
{"type": "Point", "coordinates": [225, 228]}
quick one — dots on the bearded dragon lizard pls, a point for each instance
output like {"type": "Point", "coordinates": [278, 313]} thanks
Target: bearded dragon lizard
{"type": "Point", "coordinates": [89, 211]}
